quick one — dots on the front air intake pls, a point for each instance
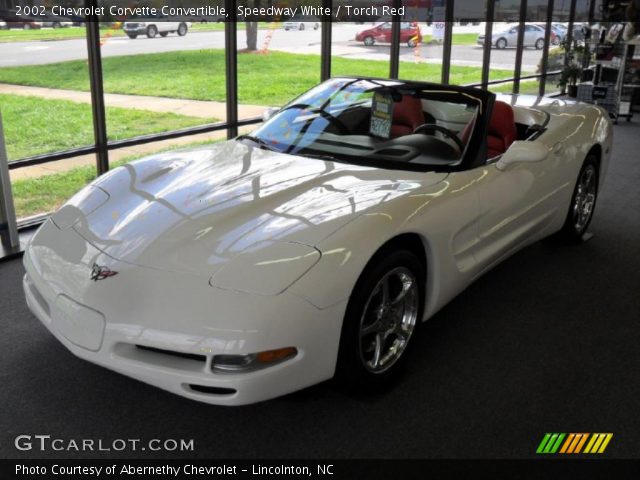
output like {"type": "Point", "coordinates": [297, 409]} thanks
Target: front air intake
{"type": "Point", "coordinates": [190, 356]}
{"type": "Point", "coordinates": [212, 390]}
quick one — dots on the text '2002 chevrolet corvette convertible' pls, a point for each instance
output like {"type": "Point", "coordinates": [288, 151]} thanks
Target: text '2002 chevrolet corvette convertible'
{"type": "Point", "coordinates": [314, 247]}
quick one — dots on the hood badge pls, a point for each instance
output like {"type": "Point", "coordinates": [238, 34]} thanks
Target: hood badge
{"type": "Point", "coordinates": [100, 273]}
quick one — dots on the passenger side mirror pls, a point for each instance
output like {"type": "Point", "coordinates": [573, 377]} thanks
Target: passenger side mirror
{"type": "Point", "coordinates": [523, 152]}
{"type": "Point", "coordinates": [269, 112]}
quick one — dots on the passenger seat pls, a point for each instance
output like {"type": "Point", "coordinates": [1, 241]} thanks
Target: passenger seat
{"type": "Point", "coordinates": [502, 129]}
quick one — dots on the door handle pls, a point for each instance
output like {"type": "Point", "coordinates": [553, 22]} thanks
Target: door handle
{"type": "Point", "coordinates": [558, 147]}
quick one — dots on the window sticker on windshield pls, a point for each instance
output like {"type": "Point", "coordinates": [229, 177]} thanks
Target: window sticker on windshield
{"type": "Point", "coordinates": [381, 115]}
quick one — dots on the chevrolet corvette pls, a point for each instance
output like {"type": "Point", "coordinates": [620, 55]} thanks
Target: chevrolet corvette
{"type": "Point", "coordinates": [315, 246]}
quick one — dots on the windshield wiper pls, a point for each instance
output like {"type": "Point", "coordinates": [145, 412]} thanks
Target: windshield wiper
{"type": "Point", "coordinates": [258, 140]}
{"type": "Point", "coordinates": [318, 156]}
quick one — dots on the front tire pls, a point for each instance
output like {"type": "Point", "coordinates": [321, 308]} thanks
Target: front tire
{"type": "Point", "coordinates": [164, 34]}
{"type": "Point", "coordinates": [383, 312]}
{"type": "Point", "coordinates": [412, 43]}
{"type": "Point", "coordinates": [539, 44]}
{"type": "Point", "coordinates": [301, 27]}
{"type": "Point", "coordinates": [132, 36]}
{"type": "Point", "coordinates": [583, 202]}
{"type": "Point", "coordinates": [501, 44]}
{"type": "Point", "coordinates": [152, 31]}
{"type": "Point", "coordinates": [369, 41]}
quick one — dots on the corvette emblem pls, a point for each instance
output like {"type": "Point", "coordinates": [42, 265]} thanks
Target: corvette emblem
{"type": "Point", "coordinates": [100, 273]}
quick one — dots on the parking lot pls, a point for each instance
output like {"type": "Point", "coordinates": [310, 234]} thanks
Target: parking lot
{"type": "Point", "coordinates": [306, 41]}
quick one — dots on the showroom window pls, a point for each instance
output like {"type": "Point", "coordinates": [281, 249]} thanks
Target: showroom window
{"type": "Point", "coordinates": [100, 94]}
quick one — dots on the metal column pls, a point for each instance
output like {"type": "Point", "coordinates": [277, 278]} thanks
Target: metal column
{"type": "Point", "coordinates": [394, 52]}
{"type": "Point", "coordinates": [517, 71]}
{"type": "Point", "coordinates": [486, 51]}
{"type": "Point", "coordinates": [231, 63]}
{"type": "Point", "coordinates": [545, 53]}
{"type": "Point", "coordinates": [448, 40]}
{"type": "Point", "coordinates": [325, 44]}
{"type": "Point", "coordinates": [97, 90]}
{"type": "Point", "coordinates": [8, 225]}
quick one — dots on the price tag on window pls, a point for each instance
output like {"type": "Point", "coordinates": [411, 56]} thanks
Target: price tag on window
{"type": "Point", "coordinates": [381, 115]}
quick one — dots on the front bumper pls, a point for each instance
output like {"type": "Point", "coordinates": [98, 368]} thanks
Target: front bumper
{"type": "Point", "coordinates": [136, 30]}
{"type": "Point", "coordinates": [104, 322]}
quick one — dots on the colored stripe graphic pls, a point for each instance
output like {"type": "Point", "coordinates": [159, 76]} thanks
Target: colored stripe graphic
{"type": "Point", "coordinates": [572, 443]}
{"type": "Point", "coordinates": [550, 443]}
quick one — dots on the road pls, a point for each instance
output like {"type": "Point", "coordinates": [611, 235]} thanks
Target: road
{"type": "Point", "coordinates": [308, 41]}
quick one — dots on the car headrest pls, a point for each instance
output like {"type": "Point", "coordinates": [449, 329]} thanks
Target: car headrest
{"type": "Point", "coordinates": [503, 124]}
{"type": "Point", "coordinates": [407, 116]}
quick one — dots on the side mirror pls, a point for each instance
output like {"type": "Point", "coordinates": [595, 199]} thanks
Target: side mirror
{"type": "Point", "coordinates": [269, 112]}
{"type": "Point", "coordinates": [523, 152]}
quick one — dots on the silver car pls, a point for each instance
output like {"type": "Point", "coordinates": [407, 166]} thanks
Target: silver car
{"type": "Point", "coordinates": [507, 36]}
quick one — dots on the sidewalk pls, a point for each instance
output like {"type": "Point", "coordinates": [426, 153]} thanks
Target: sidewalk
{"type": "Point", "coordinates": [193, 108]}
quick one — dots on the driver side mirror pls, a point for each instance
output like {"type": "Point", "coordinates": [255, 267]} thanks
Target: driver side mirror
{"type": "Point", "coordinates": [522, 151]}
{"type": "Point", "coordinates": [269, 113]}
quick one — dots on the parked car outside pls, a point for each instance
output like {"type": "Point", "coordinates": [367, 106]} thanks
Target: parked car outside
{"type": "Point", "coordinates": [151, 27]}
{"type": "Point", "coordinates": [13, 20]}
{"type": "Point", "coordinates": [53, 21]}
{"type": "Point", "coordinates": [507, 36]}
{"type": "Point", "coordinates": [301, 22]}
{"type": "Point", "coordinates": [381, 33]}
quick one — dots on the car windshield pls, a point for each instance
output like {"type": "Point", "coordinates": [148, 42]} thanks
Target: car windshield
{"type": "Point", "coordinates": [374, 122]}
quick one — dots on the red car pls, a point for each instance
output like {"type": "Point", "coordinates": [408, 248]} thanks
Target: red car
{"type": "Point", "coordinates": [409, 33]}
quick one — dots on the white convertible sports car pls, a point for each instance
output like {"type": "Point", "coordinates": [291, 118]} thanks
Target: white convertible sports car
{"type": "Point", "coordinates": [314, 247]}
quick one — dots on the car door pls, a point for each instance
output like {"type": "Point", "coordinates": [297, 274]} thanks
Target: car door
{"type": "Point", "coordinates": [518, 201]}
{"type": "Point", "coordinates": [530, 35]}
{"type": "Point", "coordinates": [512, 36]}
{"type": "Point", "coordinates": [383, 33]}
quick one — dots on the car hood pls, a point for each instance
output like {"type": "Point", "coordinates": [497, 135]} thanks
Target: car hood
{"type": "Point", "coordinates": [193, 211]}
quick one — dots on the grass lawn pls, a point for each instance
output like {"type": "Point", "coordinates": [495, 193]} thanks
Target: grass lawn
{"type": "Point", "coordinates": [270, 79]}
{"type": "Point", "coordinates": [47, 193]}
{"type": "Point", "coordinates": [67, 33]}
{"type": "Point", "coordinates": [33, 125]}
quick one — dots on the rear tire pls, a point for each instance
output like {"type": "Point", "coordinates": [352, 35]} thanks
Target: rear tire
{"type": "Point", "coordinates": [301, 27]}
{"type": "Point", "coordinates": [132, 36]}
{"type": "Point", "coordinates": [152, 31]}
{"type": "Point", "coordinates": [539, 44]}
{"type": "Point", "coordinates": [583, 202]}
{"type": "Point", "coordinates": [412, 43]}
{"type": "Point", "coordinates": [182, 29]}
{"type": "Point", "coordinates": [384, 309]}
{"type": "Point", "coordinates": [164, 34]}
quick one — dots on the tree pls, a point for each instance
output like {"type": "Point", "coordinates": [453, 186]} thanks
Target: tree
{"type": "Point", "coordinates": [251, 29]}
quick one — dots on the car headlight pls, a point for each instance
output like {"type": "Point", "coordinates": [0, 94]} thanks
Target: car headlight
{"type": "Point", "coordinates": [268, 269]}
{"type": "Point", "coordinates": [252, 361]}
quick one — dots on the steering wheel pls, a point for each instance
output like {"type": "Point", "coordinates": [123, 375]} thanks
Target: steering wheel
{"type": "Point", "coordinates": [335, 121]}
{"type": "Point", "coordinates": [429, 128]}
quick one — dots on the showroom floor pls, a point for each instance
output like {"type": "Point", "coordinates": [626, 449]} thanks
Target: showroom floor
{"type": "Point", "coordinates": [547, 342]}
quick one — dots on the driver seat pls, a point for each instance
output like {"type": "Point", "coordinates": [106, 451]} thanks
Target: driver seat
{"type": "Point", "coordinates": [502, 129]}
{"type": "Point", "coordinates": [407, 116]}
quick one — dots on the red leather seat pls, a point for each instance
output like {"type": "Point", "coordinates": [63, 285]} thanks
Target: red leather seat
{"type": "Point", "coordinates": [502, 129]}
{"type": "Point", "coordinates": [407, 116]}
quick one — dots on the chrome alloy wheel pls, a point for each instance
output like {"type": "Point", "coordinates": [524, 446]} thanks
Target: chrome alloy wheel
{"type": "Point", "coordinates": [585, 198]}
{"type": "Point", "coordinates": [388, 319]}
